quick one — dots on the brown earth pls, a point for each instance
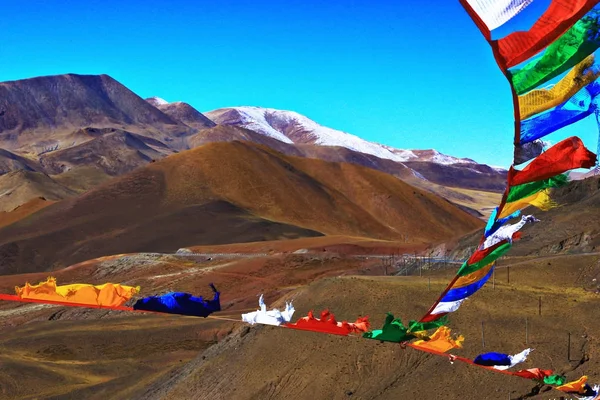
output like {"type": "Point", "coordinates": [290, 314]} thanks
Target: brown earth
{"type": "Point", "coordinates": [183, 112]}
{"type": "Point", "coordinates": [23, 211]}
{"type": "Point", "coordinates": [64, 233]}
{"type": "Point", "coordinates": [14, 162]}
{"type": "Point", "coordinates": [322, 244]}
{"type": "Point", "coordinates": [81, 179]}
{"type": "Point", "coordinates": [90, 354]}
{"type": "Point", "coordinates": [477, 202]}
{"type": "Point", "coordinates": [41, 113]}
{"type": "Point", "coordinates": [20, 187]}
{"type": "Point", "coordinates": [227, 193]}
{"type": "Point", "coordinates": [115, 152]}
{"type": "Point", "coordinates": [267, 362]}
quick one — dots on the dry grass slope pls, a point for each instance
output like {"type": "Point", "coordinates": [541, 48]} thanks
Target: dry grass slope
{"type": "Point", "coordinates": [272, 363]}
{"type": "Point", "coordinates": [333, 198]}
{"type": "Point", "coordinates": [78, 353]}
{"type": "Point", "coordinates": [20, 187]}
{"type": "Point", "coordinates": [227, 193]}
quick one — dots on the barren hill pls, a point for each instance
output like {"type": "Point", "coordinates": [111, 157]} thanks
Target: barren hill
{"type": "Point", "coordinates": [293, 128]}
{"type": "Point", "coordinates": [182, 112]}
{"type": "Point", "coordinates": [197, 197]}
{"type": "Point", "coordinates": [24, 210]}
{"type": "Point", "coordinates": [477, 202]}
{"type": "Point", "coordinates": [32, 109]}
{"type": "Point", "coordinates": [13, 162]}
{"type": "Point", "coordinates": [20, 187]}
{"type": "Point", "coordinates": [71, 122]}
{"type": "Point", "coordinates": [115, 152]}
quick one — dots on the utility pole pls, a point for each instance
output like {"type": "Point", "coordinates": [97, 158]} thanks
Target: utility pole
{"type": "Point", "coordinates": [482, 335]}
{"type": "Point", "coordinates": [569, 347]}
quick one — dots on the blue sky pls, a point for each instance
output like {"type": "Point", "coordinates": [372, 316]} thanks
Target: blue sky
{"type": "Point", "coordinates": [418, 76]}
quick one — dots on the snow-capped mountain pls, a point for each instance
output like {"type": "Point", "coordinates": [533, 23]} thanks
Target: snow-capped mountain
{"type": "Point", "coordinates": [157, 101]}
{"type": "Point", "coordinates": [291, 127]}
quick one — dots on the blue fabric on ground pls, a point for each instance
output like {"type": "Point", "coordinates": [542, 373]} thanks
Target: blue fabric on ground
{"type": "Point", "coordinates": [180, 303]}
{"type": "Point", "coordinates": [491, 359]}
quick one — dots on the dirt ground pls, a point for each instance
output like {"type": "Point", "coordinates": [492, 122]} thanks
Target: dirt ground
{"type": "Point", "coordinates": [49, 352]}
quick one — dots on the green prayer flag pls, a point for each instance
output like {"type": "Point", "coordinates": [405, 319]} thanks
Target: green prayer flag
{"type": "Point", "coordinates": [527, 189]}
{"type": "Point", "coordinates": [415, 326]}
{"type": "Point", "coordinates": [555, 380]}
{"type": "Point", "coordinates": [564, 53]}
{"type": "Point", "coordinates": [393, 330]}
{"type": "Point", "coordinates": [466, 269]}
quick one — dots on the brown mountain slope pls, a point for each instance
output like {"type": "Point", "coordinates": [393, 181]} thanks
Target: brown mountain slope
{"type": "Point", "coordinates": [115, 153]}
{"type": "Point", "coordinates": [436, 167]}
{"type": "Point", "coordinates": [477, 176]}
{"type": "Point", "coordinates": [189, 199]}
{"type": "Point", "coordinates": [20, 187]}
{"type": "Point", "coordinates": [265, 362]}
{"type": "Point", "coordinates": [81, 179]}
{"type": "Point", "coordinates": [22, 211]}
{"type": "Point", "coordinates": [573, 227]}
{"type": "Point", "coordinates": [228, 133]}
{"type": "Point", "coordinates": [115, 222]}
{"type": "Point", "coordinates": [31, 109]}
{"type": "Point", "coordinates": [332, 198]}
{"type": "Point", "coordinates": [13, 162]}
{"type": "Point", "coordinates": [478, 203]}
{"type": "Point", "coordinates": [183, 112]}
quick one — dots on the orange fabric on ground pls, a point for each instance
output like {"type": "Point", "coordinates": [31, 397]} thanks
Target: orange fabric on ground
{"type": "Point", "coordinates": [108, 294]}
{"type": "Point", "coordinates": [441, 341]}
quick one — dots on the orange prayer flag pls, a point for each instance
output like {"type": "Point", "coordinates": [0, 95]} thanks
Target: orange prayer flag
{"type": "Point", "coordinates": [575, 386]}
{"type": "Point", "coordinates": [441, 341]}
{"type": "Point", "coordinates": [108, 294]}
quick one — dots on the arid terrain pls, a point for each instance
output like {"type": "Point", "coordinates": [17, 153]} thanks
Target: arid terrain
{"type": "Point", "coordinates": [223, 193]}
{"type": "Point", "coordinates": [91, 127]}
{"type": "Point", "coordinates": [95, 354]}
{"type": "Point", "coordinates": [99, 185]}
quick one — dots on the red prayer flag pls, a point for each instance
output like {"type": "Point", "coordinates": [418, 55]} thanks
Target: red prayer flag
{"type": "Point", "coordinates": [328, 324]}
{"type": "Point", "coordinates": [534, 373]}
{"type": "Point", "coordinates": [556, 20]}
{"type": "Point", "coordinates": [562, 157]}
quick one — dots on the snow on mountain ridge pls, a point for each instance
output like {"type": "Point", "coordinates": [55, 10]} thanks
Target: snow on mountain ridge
{"type": "Point", "coordinates": [156, 101]}
{"type": "Point", "coordinates": [262, 120]}
{"type": "Point", "coordinates": [292, 127]}
{"type": "Point", "coordinates": [252, 118]}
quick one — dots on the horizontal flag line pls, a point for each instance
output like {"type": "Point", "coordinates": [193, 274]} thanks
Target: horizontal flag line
{"type": "Point", "coordinates": [450, 357]}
